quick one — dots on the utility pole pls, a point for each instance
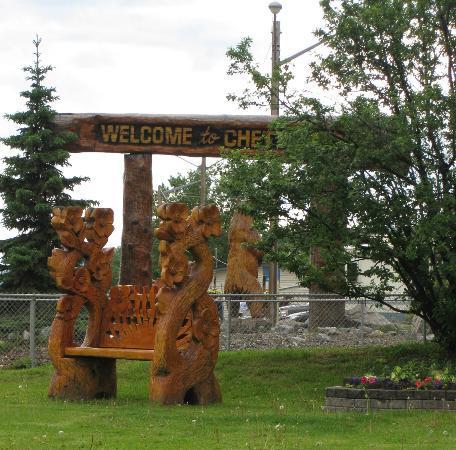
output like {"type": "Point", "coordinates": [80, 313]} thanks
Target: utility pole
{"type": "Point", "coordinates": [203, 181]}
{"type": "Point", "coordinates": [159, 197]}
{"type": "Point", "coordinates": [216, 267]}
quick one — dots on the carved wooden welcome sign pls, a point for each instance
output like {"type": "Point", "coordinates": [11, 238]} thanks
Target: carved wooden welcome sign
{"type": "Point", "coordinates": [196, 135]}
{"type": "Point", "coordinates": [140, 136]}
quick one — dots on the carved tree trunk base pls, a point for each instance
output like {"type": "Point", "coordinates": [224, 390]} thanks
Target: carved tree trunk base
{"type": "Point", "coordinates": [260, 310]}
{"type": "Point", "coordinates": [326, 314]}
{"type": "Point", "coordinates": [170, 390]}
{"type": "Point", "coordinates": [84, 379]}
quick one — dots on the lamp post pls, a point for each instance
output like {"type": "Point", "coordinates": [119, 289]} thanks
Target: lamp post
{"type": "Point", "coordinates": [275, 8]}
{"type": "Point", "coordinates": [317, 314]}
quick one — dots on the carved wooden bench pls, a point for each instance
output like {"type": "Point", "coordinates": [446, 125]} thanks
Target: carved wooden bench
{"type": "Point", "coordinates": [174, 323]}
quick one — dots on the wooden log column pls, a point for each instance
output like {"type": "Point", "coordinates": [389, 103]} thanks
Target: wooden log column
{"type": "Point", "coordinates": [324, 313]}
{"type": "Point", "coordinates": [136, 267]}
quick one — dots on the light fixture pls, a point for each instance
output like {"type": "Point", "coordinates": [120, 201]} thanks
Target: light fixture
{"type": "Point", "coordinates": [275, 7]}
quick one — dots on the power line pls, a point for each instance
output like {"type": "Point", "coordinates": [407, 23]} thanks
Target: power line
{"type": "Point", "coordinates": [189, 162]}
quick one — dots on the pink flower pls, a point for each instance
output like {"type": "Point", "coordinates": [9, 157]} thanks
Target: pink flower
{"type": "Point", "coordinates": [372, 380]}
{"type": "Point", "coordinates": [363, 380]}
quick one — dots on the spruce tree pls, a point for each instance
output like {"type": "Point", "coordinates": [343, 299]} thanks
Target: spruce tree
{"type": "Point", "coordinates": [32, 184]}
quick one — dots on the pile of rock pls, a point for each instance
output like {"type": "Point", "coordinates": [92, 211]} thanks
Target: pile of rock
{"type": "Point", "coordinates": [368, 327]}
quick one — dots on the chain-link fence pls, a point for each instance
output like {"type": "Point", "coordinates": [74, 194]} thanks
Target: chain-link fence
{"type": "Point", "coordinates": [310, 320]}
{"type": "Point", "coordinates": [246, 321]}
{"type": "Point", "coordinates": [25, 321]}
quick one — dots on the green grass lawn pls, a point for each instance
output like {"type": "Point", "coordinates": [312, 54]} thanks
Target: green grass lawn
{"type": "Point", "coordinates": [271, 400]}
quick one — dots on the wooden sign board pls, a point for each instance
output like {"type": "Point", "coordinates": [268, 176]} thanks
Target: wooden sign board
{"type": "Point", "coordinates": [163, 134]}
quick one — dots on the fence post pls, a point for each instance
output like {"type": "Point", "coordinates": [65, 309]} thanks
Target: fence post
{"type": "Point", "coordinates": [275, 317]}
{"type": "Point", "coordinates": [228, 334]}
{"type": "Point", "coordinates": [32, 331]}
{"type": "Point", "coordinates": [363, 312]}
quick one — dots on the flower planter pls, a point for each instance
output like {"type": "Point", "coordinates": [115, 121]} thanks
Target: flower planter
{"type": "Point", "coordinates": [348, 399]}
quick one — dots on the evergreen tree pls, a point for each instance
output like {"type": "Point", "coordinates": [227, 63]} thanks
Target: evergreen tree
{"type": "Point", "coordinates": [33, 183]}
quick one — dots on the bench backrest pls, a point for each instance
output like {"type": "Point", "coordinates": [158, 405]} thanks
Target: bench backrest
{"type": "Point", "coordinates": [129, 320]}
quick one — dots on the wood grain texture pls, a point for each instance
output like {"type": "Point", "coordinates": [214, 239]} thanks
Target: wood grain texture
{"type": "Point", "coordinates": [242, 265]}
{"type": "Point", "coordinates": [174, 324]}
{"type": "Point", "coordinates": [83, 239]}
{"type": "Point", "coordinates": [90, 138]}
{"type": "Point", "coordinates": [129, 320]}
{"type": "Point", "coordinates": [136, 266]}
{"type": "Point", "coordinates": [186, 376]}
{"type": "Point", "coordinates": [116, 353]}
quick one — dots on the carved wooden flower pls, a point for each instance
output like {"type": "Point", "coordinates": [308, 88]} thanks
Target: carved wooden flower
{"type": "Point", "coordinates": [61, 265]}
{"type": "Point", "coordinates": [174, 268]}
{"type": "Point", "coordinates": [68, 307]}
{"type": "Point", "coordinates": [174, 221]}
{"type": "Point", "coordinates": [118, 298]}
{"type": "Point", "coordinates": [81, 279]}
{"type": "Point", "coordinates": [68, 218]}
{"type": "Point", "coordinates": [206, 328]}
{"type": "Point", "coordinates": [68, 224]}
{"type": "Point", "coordinates": [99, 225]}
{"type": "Point", "coordinates": [99, 263]}
{"type": "Point", "coordinates": [208, 217]}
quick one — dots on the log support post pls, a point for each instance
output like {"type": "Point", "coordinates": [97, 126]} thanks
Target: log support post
{"type": "Point", "coordinates": [323, 312]}
{"type": "Point", "coordinates": [136, 267]}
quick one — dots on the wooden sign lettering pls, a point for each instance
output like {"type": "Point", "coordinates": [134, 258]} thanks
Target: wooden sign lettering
{"type": "Point", "coordinates": [161, 134]}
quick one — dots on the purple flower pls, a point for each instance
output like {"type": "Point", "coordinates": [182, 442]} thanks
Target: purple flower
{"type": "Point", "coordinates": [437, 384]}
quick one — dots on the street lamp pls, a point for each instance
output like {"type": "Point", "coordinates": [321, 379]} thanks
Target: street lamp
{"type": "Point", "coordinates": [275, 8]}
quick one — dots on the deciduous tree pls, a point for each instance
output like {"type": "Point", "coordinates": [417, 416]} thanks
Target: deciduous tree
{"type": "Point", "coordinates": [372, 177]}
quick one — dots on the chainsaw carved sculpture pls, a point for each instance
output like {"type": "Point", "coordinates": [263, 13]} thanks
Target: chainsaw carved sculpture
{"type": "Point", "coordinates": [174, 324]}
{"type": "Point", "coordinates": [243, 262]}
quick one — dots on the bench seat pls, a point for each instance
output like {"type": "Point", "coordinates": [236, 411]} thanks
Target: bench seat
{"type": "Point", "coordinates": [116, 353]}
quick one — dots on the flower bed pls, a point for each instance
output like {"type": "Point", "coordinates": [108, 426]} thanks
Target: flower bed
{"type": "Point", "coordinates": [361, 399]}
{"type": "Point", "coordinates": [373, 382]}
{"type": "Point", "coordinates": [407, 387]}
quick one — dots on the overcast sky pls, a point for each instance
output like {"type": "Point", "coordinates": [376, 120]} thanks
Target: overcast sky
{"type": "Point", "coordinates": [140, 56]}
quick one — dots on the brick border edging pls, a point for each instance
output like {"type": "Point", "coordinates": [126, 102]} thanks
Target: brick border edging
{"type": "Point", "coordinates": [345, 399]}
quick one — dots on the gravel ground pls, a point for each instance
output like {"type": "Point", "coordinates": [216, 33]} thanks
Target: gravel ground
{"type": "Point", "coordinates": [19, 357]}
{"type": "Point", "coordinates": [258, 334]}
{"type": "Point", "coordinates": [263, 341]}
